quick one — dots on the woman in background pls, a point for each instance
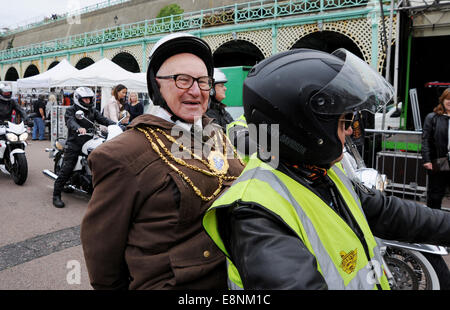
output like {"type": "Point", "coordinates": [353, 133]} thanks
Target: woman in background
{"type": "Point", "coordinates": [436, 144]}
{"type": "Point", "coordinates": [116, 104]}
{"type": "Point", "coordinates": [135, 107]}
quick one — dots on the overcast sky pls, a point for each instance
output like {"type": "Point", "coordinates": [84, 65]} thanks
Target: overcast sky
{"type": "Point", "coordinates": [15, 12]}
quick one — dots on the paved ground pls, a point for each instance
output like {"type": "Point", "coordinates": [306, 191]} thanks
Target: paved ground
{"type": "Point", "coordinates": [37, 241]}
{"type": "Point", "coordinates": [39, 244]}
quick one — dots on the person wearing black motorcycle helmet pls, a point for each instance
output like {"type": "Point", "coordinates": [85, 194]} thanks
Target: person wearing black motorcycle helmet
{"type": "Point", "coordinates": [303, 224]}
{"type": "Point", "coordinates": [83, 99]}
{"type": "Point", "coordinates": [8, 105]}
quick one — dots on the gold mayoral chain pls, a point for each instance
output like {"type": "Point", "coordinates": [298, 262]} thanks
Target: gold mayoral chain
{"type": "Point", "coordinates": [217, 162]}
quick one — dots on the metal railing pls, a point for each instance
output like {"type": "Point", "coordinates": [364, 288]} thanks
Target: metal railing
{"type": "Point", "coordinates": [41, 21]}
{"type": "Point", "coordinates": [230, 14]}
{"type": "Point", "coordinates": [396, 153]}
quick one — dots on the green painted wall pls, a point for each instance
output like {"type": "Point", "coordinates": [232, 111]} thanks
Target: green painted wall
{"type": "Point", "coordinates": [236, 77]}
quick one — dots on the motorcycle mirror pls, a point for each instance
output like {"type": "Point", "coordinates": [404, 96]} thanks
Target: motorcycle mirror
{"type": "Point", "coordinates": [79, 115]}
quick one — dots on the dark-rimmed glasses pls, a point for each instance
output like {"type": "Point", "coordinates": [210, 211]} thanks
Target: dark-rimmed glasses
{"type": "Point", "coordinates": [185, 81]}
{"type": "Point", "coordinates": [348, 119]}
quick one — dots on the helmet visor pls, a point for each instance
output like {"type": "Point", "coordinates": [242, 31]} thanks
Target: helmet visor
{"type": "Point", "coordinates": [86, 100]}
{"type": "Point", "coordinates": [356, 87]}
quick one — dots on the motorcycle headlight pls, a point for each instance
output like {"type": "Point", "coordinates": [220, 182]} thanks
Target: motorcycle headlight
{"type": "Point", "coordinates": [59, 146]}
{"type": "Point", "coordinates": [12, 137]}
{"type": "Point", "coordinates": [24, 136]}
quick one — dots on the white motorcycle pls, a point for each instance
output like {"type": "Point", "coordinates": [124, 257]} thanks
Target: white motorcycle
{"type": "Point", "coordinates": [81, 178]}
{"type": "Point", "coordinates": [12, 151]}
{"type": "Point", "coordinates": [408, 266]}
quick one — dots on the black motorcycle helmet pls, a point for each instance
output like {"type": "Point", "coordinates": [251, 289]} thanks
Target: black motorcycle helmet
{"type": "Point", "coordinates": [167, 47]}
{"type": "Point", "coordinates": [306, 91]}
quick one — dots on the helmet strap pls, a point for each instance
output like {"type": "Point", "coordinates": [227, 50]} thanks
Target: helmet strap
{"type": "Point", "coordinates": [212, 92]}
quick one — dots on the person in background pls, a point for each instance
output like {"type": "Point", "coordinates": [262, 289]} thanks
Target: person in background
{"type": "Point", "coordinates": [216, 109]}
{"type": "Point", "coordinates": [436, 144]}
{"type": "Point", "coordinates": [67, 99]}
{"type": "Point", "coordinates": [39, 118]}
{"type": "Point", "coordinates": [98, 99]}
{"type": "Point", "coordinates": [117, 104]}
{"type": "Point", "coordinates": [7, 105]}
{"type": "Point", "coordinates": [50, 103]}
{"type": "Point", "coordinates": [83, 98]}
{"type": "Point", "coordinates": [20, 103]}
{"type": "Point", "coordinates": [135, 107]}
{"type": "Point", "coordinates": [148, 201]}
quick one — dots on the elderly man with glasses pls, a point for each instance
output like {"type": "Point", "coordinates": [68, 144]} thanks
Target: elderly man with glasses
{"type": "Point", "coordinates": [152, 184]}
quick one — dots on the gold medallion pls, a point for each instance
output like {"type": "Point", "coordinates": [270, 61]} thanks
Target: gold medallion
{"type": "Point", "coordinates": [218, 162]}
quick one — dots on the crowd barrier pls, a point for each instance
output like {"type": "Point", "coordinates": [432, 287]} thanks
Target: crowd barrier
{"type": "Point", "coordinates": [396, 153]}
{"type": "Point", "coordinates": [58, 128]}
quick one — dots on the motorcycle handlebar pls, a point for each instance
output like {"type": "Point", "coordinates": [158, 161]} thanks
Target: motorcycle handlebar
{"type": "Point", "coordinates": [97, 132]}
{"type": "Point", "coordinates": [86, 134]}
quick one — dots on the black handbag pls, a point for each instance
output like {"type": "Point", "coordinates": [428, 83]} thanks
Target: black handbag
{"type": "Point", "coordinates": [441, 164]}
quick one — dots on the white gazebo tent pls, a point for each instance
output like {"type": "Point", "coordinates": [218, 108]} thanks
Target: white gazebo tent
{"type": "Point", "coordinates": [106, 74]}
{"type": "Point", "coordinates": [50, 78]}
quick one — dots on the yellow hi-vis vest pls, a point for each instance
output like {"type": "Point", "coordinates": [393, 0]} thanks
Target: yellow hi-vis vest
{"type": "Point", "coordinates": [240, 121]}
{"type": "Point", "coordinates": [340, 255]}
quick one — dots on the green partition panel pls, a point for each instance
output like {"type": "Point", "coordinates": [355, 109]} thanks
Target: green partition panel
{"type": "Point", "coordinates": [235, 76]}
{"type": "Point", "coordinates": [405, 146]}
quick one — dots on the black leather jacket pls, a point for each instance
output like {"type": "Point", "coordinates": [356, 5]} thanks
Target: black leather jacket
{"type": "Point", "coordinates": [74, 141]}
{"type": "Point", "coordinates": [269, 255]}
{"type": "Point", "coordinates": [217, 112]}
{"type": "Point", "coordinates": [434, 137]}
{"type": "Point", "coordinates": [6, 108]}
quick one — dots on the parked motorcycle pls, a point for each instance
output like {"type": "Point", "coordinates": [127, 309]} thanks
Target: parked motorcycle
{"type": "Point", "coordinates": [407, 266]}
{"type": "Point", "coordinates": [12, 151]}
{"type": "Point", "coordinates": [81, 178]}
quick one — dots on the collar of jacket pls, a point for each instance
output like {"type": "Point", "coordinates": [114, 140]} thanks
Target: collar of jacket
{"type": "Point", "coordinates": [164, 114]}
{"type": "Point", "coordinates": [216, 104]}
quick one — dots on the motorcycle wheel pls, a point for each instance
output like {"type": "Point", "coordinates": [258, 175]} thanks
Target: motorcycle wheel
{"type": "Point", "coordinates": [19, 171]}
{"type": "Point", "coordinates": [404, 276]}
{"type": "Point", "coordinates": [411, 270]}
{"type": "Point", "coordinates": [441, 268]}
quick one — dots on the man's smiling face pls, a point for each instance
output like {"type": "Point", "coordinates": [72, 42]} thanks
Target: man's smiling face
{"type": "Point", "coordinates": [187, 104]}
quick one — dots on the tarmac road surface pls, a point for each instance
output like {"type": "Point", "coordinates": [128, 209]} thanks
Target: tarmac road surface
{"type": "Point", "coordinates": [39, 244]}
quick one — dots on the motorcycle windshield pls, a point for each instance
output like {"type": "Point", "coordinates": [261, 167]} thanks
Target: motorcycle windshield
{"type": "Point", "coordinates": [16, 128]}
{"type": "Point", "coordinates": [356, 87]}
